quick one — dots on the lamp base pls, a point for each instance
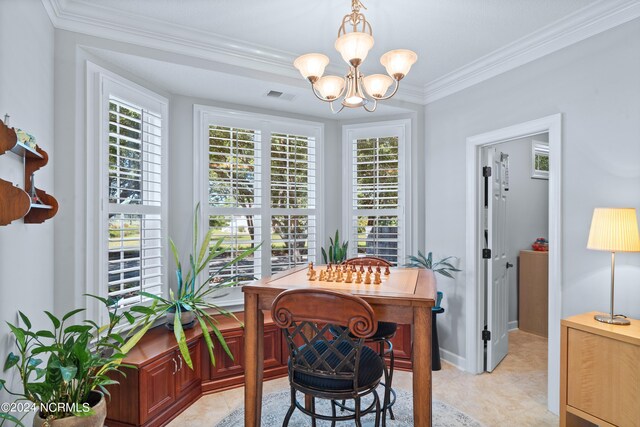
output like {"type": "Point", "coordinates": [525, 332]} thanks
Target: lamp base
{"type": "Point", "coordinates": [615, 320]}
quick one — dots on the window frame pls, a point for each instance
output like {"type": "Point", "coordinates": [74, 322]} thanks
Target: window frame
{"type": "Point", "coordinates": [539, 148]}
{"type": "Point", "coordinates": [203, 117]}
{"type": "Point", "coordinates": [102, 83]}
{"type": "Point", "coordinates": [350, 133]}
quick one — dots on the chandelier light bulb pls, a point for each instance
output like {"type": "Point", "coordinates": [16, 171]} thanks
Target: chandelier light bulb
{"type": "Point", "coordinates": [398, 62]}
{"type": "Point", "coordinates": [377, 85]}
{"type": "Point", "coordinates": [311, 65]}
{"type": "Point", "coordinates": [330, 87]}
{"type": "Point", "coordinates": [354, 47]}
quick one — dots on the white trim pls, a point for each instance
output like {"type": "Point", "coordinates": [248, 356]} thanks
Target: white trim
{"type": "Point", "coordinates": [401, 128]}
{"type": "Point", "coordinates": [110, 23]}
{"type": "Point", "coordinates": [573, 28]}
{"type": "Point", "coordinates": [204, 115]}
{"type": "Point", "coordinates": [512, 325]}
{"type": "Point", "coordinates": [98, 82]}
{"type": "Point", "coordinates": [453, 359]}
{"type": "Point", "coordinates": [475, 292]}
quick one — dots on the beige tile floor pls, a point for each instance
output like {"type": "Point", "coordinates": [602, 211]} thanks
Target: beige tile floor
{"type": "Point", "coordinates": [513, 395]}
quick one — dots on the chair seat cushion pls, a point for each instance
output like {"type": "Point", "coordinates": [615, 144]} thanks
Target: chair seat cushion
{"type": "Point", "coordinates": [369, 373]}
{"type": "Point", "coordinates": [385, 330]}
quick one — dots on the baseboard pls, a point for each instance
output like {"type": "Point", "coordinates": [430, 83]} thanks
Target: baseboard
{"type": "Point", "coordinates": [513, 325]}
{"type": "Point", "coordinates": [453, 359]}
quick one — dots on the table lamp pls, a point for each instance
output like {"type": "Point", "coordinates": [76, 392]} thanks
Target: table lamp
{"type": "Point", "coordinates": [614, 230]}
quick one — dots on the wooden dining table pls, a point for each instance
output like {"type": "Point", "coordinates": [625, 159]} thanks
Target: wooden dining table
{"type": "Point", "coordinates": [405, 296]}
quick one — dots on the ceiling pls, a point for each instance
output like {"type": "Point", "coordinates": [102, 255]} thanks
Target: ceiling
{"type": "Point", "coordinates": [457, 41]}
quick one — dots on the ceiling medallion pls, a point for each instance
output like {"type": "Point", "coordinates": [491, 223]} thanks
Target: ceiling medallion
{"type": "Point", "coordinates": [355, 89]}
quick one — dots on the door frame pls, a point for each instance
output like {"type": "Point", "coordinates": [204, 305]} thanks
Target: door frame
{"type": "Point", "coordinates": [474, 284]}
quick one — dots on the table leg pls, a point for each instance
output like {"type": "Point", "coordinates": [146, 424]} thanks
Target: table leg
{"type": "Point", "coordinates": [254, 360]}
{"type": "Point", "coordinates": [422, 366]}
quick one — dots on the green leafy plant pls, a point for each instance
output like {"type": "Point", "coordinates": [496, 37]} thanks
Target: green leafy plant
{"type": "Point", "coordinates": [337, 252]}
{"type": "Point", "coordinates": [61, 366]}
{"type": "Point", "coordinates": [196, 298]}
{"type": "Point", "coordinates": [443, 266]}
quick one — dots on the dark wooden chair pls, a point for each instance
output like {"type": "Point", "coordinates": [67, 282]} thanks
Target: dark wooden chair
{"type": "Point", "coordinates": [385, 332]}
{"type": "Point", "coordinates": [328, 366]}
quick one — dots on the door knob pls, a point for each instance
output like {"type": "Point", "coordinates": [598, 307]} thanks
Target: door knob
{"type": "Point", "coordinates": [509, 265]}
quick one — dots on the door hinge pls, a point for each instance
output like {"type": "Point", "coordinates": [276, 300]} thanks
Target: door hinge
{"type": "Point", "coordinates": [486, 254]}
{"type": "Point", "coordinates": [486, 171]}
{"type": "Point", "coordinates": [486, 335]}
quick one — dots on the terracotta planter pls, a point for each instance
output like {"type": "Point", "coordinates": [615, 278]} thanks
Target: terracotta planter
{"type": "Point", "coordinates": [99, 406]}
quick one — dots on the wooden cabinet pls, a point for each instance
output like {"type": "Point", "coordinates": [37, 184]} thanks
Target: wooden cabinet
{"type": "Point", "coordinates": [533, 292]}
{"type": "Point", "coordinates": [599, 373]}
{"type": "Point", "coordinates": [163, 385]}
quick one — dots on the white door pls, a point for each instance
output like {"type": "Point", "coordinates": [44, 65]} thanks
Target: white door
{"type": "Point", "coordinates": [497, 289]}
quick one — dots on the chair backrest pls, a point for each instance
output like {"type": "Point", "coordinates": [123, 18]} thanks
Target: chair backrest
{"type": "Point", "coordinates": [368, 261]}
{"type": "Point", "coordinates": [306, 316]}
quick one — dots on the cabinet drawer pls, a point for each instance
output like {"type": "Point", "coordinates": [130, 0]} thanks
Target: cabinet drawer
{"type": "Point", "coordinates": [603, 377]}
{"type": "Point", "coordinates": [225, 366]}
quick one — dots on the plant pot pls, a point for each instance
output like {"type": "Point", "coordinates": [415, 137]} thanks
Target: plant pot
{"type": "Point", "coordinates": [187, 318]}
{"type": "Point", "coordinates": [97, 403]}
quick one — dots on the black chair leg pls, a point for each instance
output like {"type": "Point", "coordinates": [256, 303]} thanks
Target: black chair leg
{"type": "Point", "coordinates": [333, 413]}
{"type": "Point", "coordinates": [357, 415]}
{"type": "Point", "coordinates": [392, 362]}
{"type": "Point", "coordinates": [312, 407]}
{"type": "Point", "coordinates": [377, 400]}
{"type": "Point", "coordinates": [291, 408]}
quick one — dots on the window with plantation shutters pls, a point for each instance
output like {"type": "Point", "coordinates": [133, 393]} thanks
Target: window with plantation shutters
{"type": "Point", "coordinates": [262, 189]}
{"type": "Point", "coordinates": [375, 200]}
{"type": "Point", "coordinates": [134, 209]}
{"type": "Point", "coordinates": [293, 200]}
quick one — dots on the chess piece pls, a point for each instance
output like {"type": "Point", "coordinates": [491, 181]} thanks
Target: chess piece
{"type": "Point", "coordinates": [322, 276]}
{"type": "Point", "coordinates": [329, 277]}
{"type": "Point", "coordinates": [386, 271]}
{"type": "Point", "coordinates": [310, 269]}
{"type": "Point", "coordinates": [378, 270]}
{"type": "Point", "coordinates": [367, 278]}
{"type": "Point", "coordinates": [358, 277]}
{"type": "Point", "coordinates": [312, 275]}
{"type": "Point", "coordinates": [349, 278]}
{"type": "Point", "coordinates": [376, 280]}
{"type": "Point", "coordinates": [339, 275]}
{"type": "Point", "coordinates": [370, 270]}
{"type": "Point", "coordinates": [329, 267]}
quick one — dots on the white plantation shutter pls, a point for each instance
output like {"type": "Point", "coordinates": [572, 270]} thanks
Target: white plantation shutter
{"type": "Point", "coordinates": [376, 198]}
{"type": "Point", "coordinates": [293, 200]}
{"type": "Point", "coordinates": [235, 187]}
{"type": "Point", "coordinates": [262, 188]}
{"type": "Point", "coordinates": [134, 208]}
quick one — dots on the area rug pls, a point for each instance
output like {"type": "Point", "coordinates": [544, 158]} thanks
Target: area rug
{"type": "Point", "coordinates": [275, 406]}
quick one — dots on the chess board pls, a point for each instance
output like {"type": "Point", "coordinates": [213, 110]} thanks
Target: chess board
{"type": "Point", "coordinates": [400, 281]}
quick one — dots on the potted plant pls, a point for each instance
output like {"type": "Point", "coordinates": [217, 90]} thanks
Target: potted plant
{"type": "Point", "coordinates": [193, 302]}
{"type": "Point", "coordinates": [443, 266]}
{"type": "Point", "coordinates": [337, 252]}
{"type": "Point", "coordinates": [64, 370]}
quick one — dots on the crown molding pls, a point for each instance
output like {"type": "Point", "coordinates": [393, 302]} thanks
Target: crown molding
{"type": "Point", "coordinates": [103, 21]}
{"type": "Point", "coordinates": [580, 25]}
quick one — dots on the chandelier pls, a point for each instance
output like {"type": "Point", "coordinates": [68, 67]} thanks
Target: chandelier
{"type": "Point", "coordinates": [355, 89]}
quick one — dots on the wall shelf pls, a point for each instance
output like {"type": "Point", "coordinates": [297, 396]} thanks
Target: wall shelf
{"type": "Point", "coordinates": [16, 203]}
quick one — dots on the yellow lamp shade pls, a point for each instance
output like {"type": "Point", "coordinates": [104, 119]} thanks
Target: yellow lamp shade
{"type": "Point", "coordinates": [354, 47]}
{"type": "Point", "coordinates": [377, 85]}
{"type": "Point", "coordinates": [330, 87]}
{"type": "Point", "coordinates": [398, 62]}
{"type": "Point", "coordinates": [311, 65]}
{"type": "Point", "coordinates": [614, 230]}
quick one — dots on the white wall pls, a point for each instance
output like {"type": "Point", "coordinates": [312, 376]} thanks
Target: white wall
{"type": "Point", "coordinates": [527, 209]}
{"type": "Point", "coordinates": [26, 94]}
{"type": "Point", "coordinates": [595, 85]}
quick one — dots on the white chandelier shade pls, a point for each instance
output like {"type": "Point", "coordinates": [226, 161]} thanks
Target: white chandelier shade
{"type": "Point", "coordinates": [355, 89]}
{"type": "Point", "coordinates": [354, 47]}
{"type": "Point", "coordinates": [311, 65]}
{"type": "Point", "coordinates": [398, 62]}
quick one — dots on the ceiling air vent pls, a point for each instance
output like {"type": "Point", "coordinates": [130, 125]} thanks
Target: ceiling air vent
{"type": "Point", "coordinates": [280, 95]}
